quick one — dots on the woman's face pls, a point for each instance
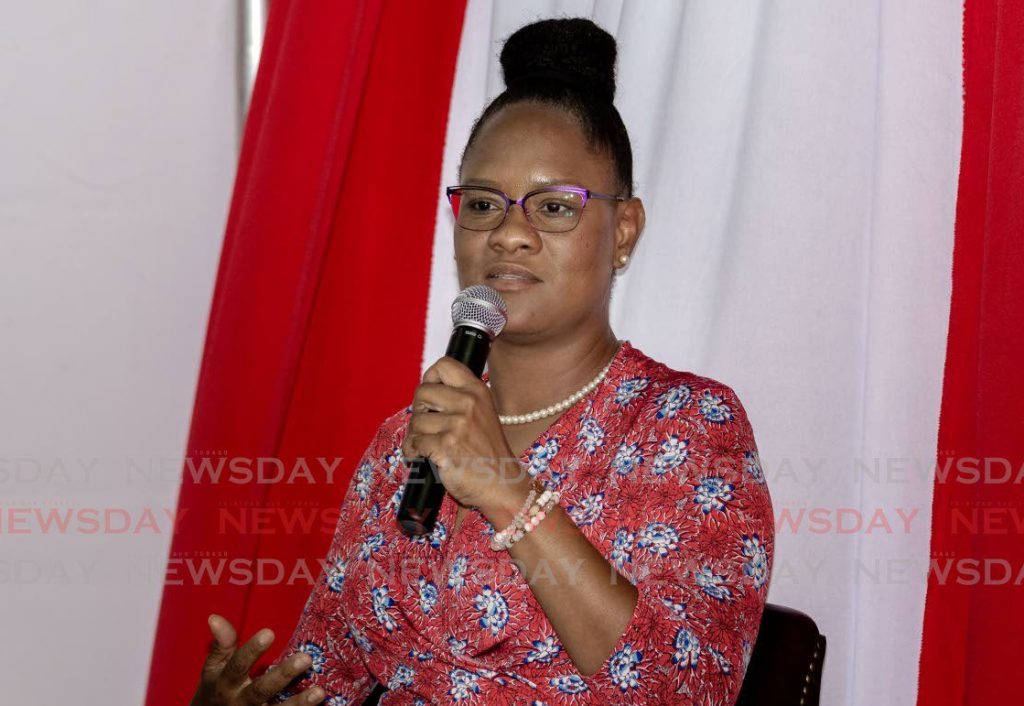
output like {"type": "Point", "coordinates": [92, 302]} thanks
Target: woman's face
{"type": "Point", "coordinates": [550, 281]}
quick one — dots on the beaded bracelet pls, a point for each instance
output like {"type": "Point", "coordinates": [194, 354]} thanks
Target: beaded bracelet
{"type": "Point", "coordinates": [498, 540]}
{"type": "Point", "coordinates": [534, 510]}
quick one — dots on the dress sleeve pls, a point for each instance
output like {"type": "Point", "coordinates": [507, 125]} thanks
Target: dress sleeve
{"type": "Point", "coordinates": [323, 631]}
{"type": "Point", "coordinates": [693, 531]}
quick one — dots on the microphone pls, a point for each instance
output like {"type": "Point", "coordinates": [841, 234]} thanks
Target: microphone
{"type": "Point", "coordinates": [478, 315]}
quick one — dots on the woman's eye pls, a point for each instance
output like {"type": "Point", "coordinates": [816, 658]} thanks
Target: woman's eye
{"type": "Point", "coordinates": [553, 208]}
{"type": "Point", "coordinates": [480, 206]}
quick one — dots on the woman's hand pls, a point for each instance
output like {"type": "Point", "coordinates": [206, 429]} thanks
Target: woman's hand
{"type": "Point", "coordinates": [225, 677]}
{"type": "Point", "coordinates": [455, 425]}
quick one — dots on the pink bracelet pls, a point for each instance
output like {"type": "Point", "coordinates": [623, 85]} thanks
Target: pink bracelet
{"type": "Point", "coordinates": [534, 511]}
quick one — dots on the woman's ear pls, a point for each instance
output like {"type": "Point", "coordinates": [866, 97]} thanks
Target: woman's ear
{"type": "Point", "coordinates": [628, 229]}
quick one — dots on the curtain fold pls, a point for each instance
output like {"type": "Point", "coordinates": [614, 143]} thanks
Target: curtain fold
{"type": "Point", "coordinates": [311, 339]}
{"type": "Point", "coordinates": [974, 618]}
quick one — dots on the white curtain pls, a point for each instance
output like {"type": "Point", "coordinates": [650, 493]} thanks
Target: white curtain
{"type": "Point", "coordinates": [799, 162]}
{"type": "Point", "coordinates": [118, 139]}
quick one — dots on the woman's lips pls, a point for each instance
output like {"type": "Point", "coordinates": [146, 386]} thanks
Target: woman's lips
{"type": "Point", "coordinates": [510, 277]}
{"type": "Point", "coordinates": [511, 282]}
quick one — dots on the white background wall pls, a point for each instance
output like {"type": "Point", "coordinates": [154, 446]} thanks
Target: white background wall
{"type": "Point", "coordinates": [117, 154]}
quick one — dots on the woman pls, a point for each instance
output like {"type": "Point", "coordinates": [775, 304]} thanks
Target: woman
{"type": "Point", "coordinates": [644, 578]}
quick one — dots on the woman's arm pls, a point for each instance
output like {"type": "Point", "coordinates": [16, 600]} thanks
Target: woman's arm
{"type": "Point", "coordinates": [323, 631]}
{"type": "Point", "coordinates": [584, 597]}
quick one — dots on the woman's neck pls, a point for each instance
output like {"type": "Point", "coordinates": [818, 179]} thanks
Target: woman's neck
{"type": "Point", "coordinates": [527, 377]}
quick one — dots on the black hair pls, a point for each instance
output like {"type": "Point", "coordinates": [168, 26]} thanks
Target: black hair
{"type": "Point", "coordinates": [568, 63]}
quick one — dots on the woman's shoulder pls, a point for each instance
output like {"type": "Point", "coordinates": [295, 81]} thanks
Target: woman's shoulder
{"type": "Point", "coordinates": [667, 389]}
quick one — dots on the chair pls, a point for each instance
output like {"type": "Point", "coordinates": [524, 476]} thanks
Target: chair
{"type": "Point", "coordinates": [785, 666]}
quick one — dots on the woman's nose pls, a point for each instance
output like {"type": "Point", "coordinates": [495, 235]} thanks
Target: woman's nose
{"type": "Point", "coordinates": [515, 232]}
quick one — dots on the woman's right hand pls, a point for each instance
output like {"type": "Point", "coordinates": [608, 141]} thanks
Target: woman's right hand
{"type": "Point", "coordinates": [225, 677]}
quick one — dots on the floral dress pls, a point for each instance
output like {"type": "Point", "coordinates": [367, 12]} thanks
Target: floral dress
{"type": "Point", "coordinates": [657, 468]}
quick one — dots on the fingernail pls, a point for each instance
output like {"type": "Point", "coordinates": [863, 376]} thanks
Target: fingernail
{"type": "Point", "coordinates": [314, 695]}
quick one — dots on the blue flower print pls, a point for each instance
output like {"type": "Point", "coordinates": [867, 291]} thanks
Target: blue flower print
{"type": "Point", "coordinates": [316, 653]}
{"type": "Point", "coordinates": [570, 684]}
{"type": "Point", "coordinates": [712, 584]}
{"type": "Point", "coordinates": [403, 676]}
{"type": "Point", "coordinates": [724, 666]}
{"type": "Point", "coordinates": [338, 700]}
{"type": "Point", "coordinates": [464, 684]}
{"type": "Point", "coordinates": [659, 538]}
{"type": "Point", "coordinates": [592, 435]}
{"type": "Point", "coordinates": [752, 465]}
{"type": "Point", "coordinates": [336, 576]}
{"type": "Point", "coordinates": [756, 565]}
{"type": "Point", "coordinates": [713, 409]}
{"type": "Point", "coordinates": [622, 667]}
{"type": "Point", "coordinates": [543, 650]}
{"type": "Point", "coordinates": [541, 455]}
{"type": "Point", "coordinates": [364, 476]}
{"type": "Point", "coordinates": [435, 538]}
{"type": "Point", "coordinates": [588, 511]}
{"type": "Point", "coordinates": [712, 493]}
{"type": "Point", "coordinates": [396, 498]}
{"type": "Point", "coordinates": [622, 547]}
{"type": "Point", "coordinates": [382, 602]}
{"type": "Point", "coordinates": [395, 461]}
{"type": "Point", "coordinates": [629, 390]}
{"type": "Point", "coordinates": [457, 574]}
{"type": "Point", "coordinates": [457, 646]}
{"type": "Point", "coordinates": [748, 650]}
{"type": "Point", "coordinates": [421, 656]}
{"type": "Point", "coordinates": [672, 400]}
{"type": "Point", "coordinates": [627, 459]}
{"type": "Point", "coordinates": [372, 515]}
{"type": "Point", "coordinates": [678, 609]}
{"type": "Point", "coordinates": [494, 608]}
{"type": "Point", "coordinates": [359, 637]}
{"type": "Point", "coordinates": [371, 545]}
{"type": "Point", "coordinates": [672, 453]}
{"type": "Point", "coordinates": [687, 649]}
{"type": "Point", "coordinates": [428, 595]}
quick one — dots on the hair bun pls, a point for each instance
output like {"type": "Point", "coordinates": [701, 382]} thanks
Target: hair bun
{"type": "Point", "coordinates": [572, 51]}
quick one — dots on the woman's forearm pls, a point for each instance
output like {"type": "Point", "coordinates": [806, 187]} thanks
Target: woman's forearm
{"type": "Point", "coordinates": [587, 601]}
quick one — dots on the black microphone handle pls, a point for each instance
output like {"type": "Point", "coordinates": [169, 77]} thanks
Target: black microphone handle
{"type": "Point", "coordinates": [424, 492]}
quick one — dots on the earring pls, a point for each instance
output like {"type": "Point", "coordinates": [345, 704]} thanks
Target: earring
{"type": "Point", "coordinates": [623, 259]}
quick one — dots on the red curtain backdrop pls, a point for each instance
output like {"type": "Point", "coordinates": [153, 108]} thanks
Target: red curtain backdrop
{"type": "Point", "coordinates": [973, 627]}
{"type": "Point", "coordinates": [316, 328]}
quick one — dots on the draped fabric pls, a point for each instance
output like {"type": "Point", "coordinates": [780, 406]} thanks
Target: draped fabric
{"type": "Point", "coordinates": [974, 621]}
{"type": "Point", "coordinates": [311, 340]}
{"type": "Point", "coordinates": [798, 162]}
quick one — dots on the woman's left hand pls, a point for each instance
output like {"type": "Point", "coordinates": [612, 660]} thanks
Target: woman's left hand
{"type": "Point", "coordinates": [455, 425]}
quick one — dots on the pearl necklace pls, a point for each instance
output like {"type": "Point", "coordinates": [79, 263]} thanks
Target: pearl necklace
{"type": "Point", "coordinates": [507, 419]}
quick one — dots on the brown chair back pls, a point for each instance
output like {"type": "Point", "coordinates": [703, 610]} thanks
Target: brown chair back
{"type": "Point", "coordinates": [785, 666]}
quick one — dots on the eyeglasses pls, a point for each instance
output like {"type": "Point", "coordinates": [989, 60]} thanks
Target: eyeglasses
{"type": "Point", "coordinates": [553, 209]}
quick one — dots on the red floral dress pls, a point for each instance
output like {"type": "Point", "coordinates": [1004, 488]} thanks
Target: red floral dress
{"type": "Point", "coordinates": [657, 468]}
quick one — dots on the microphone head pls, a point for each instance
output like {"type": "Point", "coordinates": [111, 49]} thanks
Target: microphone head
{"type": "Point", "coordinates": [481, 307]}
